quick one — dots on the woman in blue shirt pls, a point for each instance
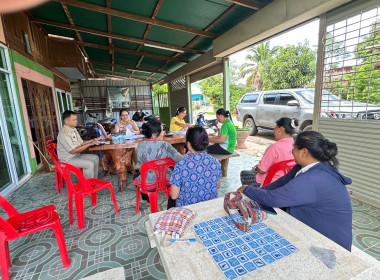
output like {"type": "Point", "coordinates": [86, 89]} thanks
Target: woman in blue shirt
{"type": "Point", "coordinates": [314, 191]}
{"type": "Point", "coordinates": [197, 177]}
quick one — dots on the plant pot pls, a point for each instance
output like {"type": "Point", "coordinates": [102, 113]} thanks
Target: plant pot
{"type": "Point", "coordinates": [242, 134]}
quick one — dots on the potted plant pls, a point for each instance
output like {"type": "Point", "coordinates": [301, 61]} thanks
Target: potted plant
{"type": "Point", "coordinates": [241, 135]}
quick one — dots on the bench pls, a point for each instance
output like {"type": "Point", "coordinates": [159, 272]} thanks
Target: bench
{"type": "Point", "coordinates": [223, 159]}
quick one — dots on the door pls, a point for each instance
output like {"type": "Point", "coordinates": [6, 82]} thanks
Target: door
{"type": "Point", "coordinates": [41, 114]}
{"type": "Point", "coordinates": [284, 110]}
{"type": "Point", "coordinates": [266, 110]}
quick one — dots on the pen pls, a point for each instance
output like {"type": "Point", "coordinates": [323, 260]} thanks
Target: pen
{"type": "Point", "coordinates": [183, 240]}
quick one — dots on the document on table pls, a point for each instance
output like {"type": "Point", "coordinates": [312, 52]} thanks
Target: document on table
{"type": "Point", "coordinates": [131, 136]}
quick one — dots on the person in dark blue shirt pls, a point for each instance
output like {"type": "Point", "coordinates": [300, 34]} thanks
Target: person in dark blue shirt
{"type": "Point", "coordinates": [314, 191]}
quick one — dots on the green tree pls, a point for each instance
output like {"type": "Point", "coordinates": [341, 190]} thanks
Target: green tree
{"type": "Point", "coordinates": [255, 59]}
{"type": "Point", "coordinates": [363, 84]}
{"type": "Point", "coordinates": [160, 89]}
{"type": "Point", "coordinates": [292, 67]}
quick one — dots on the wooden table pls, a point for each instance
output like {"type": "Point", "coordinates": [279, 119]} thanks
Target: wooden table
{"type": "Point", "coordinates": [183, 260]}
{"type": "Point", "coordinates": [117, 158]}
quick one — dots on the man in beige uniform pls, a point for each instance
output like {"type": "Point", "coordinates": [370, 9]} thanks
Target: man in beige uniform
{"type": "Point", "coordinates": [70, 144]}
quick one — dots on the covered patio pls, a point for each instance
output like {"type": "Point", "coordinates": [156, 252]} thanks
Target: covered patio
{"type": "Point", "coordinates": [111, 241]}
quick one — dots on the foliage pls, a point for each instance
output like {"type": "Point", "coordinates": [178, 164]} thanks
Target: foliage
{"type": "Point", "coordinates": [157, 89]}
{"type": "Point", "coordinates": [363, 84]}
{"type": "Point", "coordinates": [258, 56]}
{"type": "Point", "coordinates": [292, 67]}
{"type": "Point", "coordinates": [212, 87]}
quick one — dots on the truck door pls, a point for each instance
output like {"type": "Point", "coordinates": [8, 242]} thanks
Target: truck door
{"type": "Point", "coordinates": [283, 109]}
{"type": "Point", "coordinates": [266, 109]}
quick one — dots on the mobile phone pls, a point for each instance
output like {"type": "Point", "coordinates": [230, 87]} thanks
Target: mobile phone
{"type": "Point", "coordinates": [266, 208]}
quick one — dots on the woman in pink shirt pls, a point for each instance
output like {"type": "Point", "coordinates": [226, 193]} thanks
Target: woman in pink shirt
{"type": "Point", "coordinates": [279, 151]}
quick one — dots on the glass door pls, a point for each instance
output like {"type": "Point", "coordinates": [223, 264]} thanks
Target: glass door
{"type": "Point", "coordinates": [13, 165]}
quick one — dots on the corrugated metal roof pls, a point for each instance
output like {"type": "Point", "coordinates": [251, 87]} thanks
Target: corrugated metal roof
{"type": "Point", "coordinates": [119, 33]}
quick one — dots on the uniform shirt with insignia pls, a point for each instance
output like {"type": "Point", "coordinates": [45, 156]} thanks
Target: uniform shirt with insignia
{"type": "Point", "coordinates": [67, 140]}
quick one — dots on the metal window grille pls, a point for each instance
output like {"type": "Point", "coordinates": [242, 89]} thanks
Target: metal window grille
{"type": "Point", "coordinates": [351, 69]}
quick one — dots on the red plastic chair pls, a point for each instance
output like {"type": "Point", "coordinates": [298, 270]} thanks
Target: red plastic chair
{"type": "Point", "coordinates": [21, 224]}
{"type": "Point", "coordinates": [284, 166]}
{"type": "Point", "coordinates": [83, 188]}
{"type": "Point", "coordinates": [160, 168]}
{"type": "Point", "coordinates": [51, 147]}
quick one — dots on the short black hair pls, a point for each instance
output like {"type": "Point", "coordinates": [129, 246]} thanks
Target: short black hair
{"type": "Point", "coordinates": [197, 137]}
{"type": "Point", "coordinates": [180, 110]}
{"type": "Point", "coordinates": [151, 127]}
{"type": "Point", "coordinates": [67, 114]}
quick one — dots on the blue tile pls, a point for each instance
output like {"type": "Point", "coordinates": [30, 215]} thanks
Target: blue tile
{"type": "Point", "coordinates": [218, 258]}
{"type": "Point", "coordinates": [232, 235]}
{"type": "Point", "coordinates": [216, 240]}
{"type": "Point", "coordinates": [269, 230]}
{"type": "Point", "coordinates": [254, 235]}
{"type": "Point", "coordinates": [215, 227]}
{"type": "Point", "coordinates": [276, 245]}
{"type": "Point", "coordinates": [276, 255]}
{"type": "Point", "coordinates": [224, 265]}
{"type": "Point", "coordinates": [291, 248]}
{"type": "Point", "coordinates": [218, 220]}
{"type": "Point", "coordinates": [253, 244]}
{"type": "Point", "coordinates": [227, 229]}
{"type": "Point", "coordinates": [244, 248]}
{"type": "Point", "coordinates": [242, 258]}
{"type": "Point", "coordinates": [250, 266]}
{"type": "Point", "coordinates": [268, 258]}
{"type": "Point", "coordinates": [211, 234]}
{"type": "Point", "coordinates": [222, 247]}
{"type": "Point", "coordinates": [213, 250]}
{"type": "Point", "coordinates": [269, 238]}
{"type": "Point", "coordinates": [284, 242]}
{"type": "Point", "coordinates": [230, 244]}
{"type": "Point", "coordinates": [261, 241]}
{"type": "Point", "coordinates": [238, 241]}
{"type": "Point", "coordinates": [227, 254]}
{"type": "Point", "coordinates": [269, 248]}
{"type": "Point", "coordinates": [199, 231]}
{"type": "Point", "coordinates": [224, 237]}
{"type": "Point", "coordinates": [204, 224]}
{"type": "Point", "coordinates": [251, 255]}
{"type": "Point", "coordinates": [207, 243]}
{"type": "Point", "coordinates": [284, 251]}
{"type": "Point", "coordinates": [258, 262]}
{"type": "Point", "coordinates": [233, 262]}
{"type": "Point", "coordinates": [211, 222]}
{"type": "Point", "coordinates": [240, 270]}
{"type": "Point", "coordinates": [219, 232]}
{"type": "Point", "coordinates": [260, 251]}
{"type": "Point", "coordinates": [230, 274]}
{"type": "Point", "coordinates": [236, 251]}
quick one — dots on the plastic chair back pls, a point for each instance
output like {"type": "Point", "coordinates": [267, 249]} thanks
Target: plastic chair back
{"type": "Point", "coordinates": [5, 227]}
{"type": "Point", "coordinates": [51, 147]}
{"type": "Point", "coordinates": [66, 170]}
{"type": "Point", "coordinates": [284, 166]}
{"type": "Point", "coordinates": [160, 168]}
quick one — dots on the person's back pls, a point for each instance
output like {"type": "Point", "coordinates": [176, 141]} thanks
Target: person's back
{"type": "Point", "coordinates": [197, 176]}
{"type": "Point", "coordinates": [329, 205]}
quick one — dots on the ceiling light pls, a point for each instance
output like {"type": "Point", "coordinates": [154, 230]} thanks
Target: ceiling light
{"type": "Point", "coordinates": [163, 48]}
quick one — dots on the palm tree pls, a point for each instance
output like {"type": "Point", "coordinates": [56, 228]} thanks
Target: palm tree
{"type": "Point", "coordinates": [259, 54]}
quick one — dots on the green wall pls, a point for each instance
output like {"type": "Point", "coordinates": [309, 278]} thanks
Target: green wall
{"type": "Point", "coordinates": [17, 58]}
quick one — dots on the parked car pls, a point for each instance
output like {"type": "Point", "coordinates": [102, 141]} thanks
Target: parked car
{"type": "Point", "coordinates": [261, 109]}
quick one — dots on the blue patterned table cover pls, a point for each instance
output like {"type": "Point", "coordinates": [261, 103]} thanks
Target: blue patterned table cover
{"type": "Point", "coordinates": [236, 252]}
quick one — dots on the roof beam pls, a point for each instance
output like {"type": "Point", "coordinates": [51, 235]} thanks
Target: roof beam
{"type": "Point", "coordinates": [109, 29]}
{"type": "Point", "coordinates": [211, 25]}
{"type": "Point", "coordinates": [127, 74]}
{"type": "Point", "coordinates": [252, 4]}
{"type": "Point", "coordinates": [114, 36]}
{"type": "Point", "coordinates": [128, 67]}
{"type": "Point", "coordinates": [138, 18]}
{"type": "Point", "coordinates": [158, 56]}
{"type": "Point", "coordinates": [282, 14]}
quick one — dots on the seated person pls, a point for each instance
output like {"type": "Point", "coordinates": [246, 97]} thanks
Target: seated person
{"type": "Point", "coordinates": [314, 190]}
{"type": "Point", "coordinates": [154, 148]}
{"type": "Point", "coordinates": [177, 123]}
{"type": "Point", "coordinates": [197, 177]}
{"type": "Point", "coordinates": [70, 145]}
{"type": "Point", "coordinates": [279, 151]}
{"type": "Point", "coordinates": [226, 140]}
{"type": "Point", "coordinates": [125, 123]}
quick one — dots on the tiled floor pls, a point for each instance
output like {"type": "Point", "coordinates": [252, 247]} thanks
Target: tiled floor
{"type": "Point", "coordinates": [111, 240]}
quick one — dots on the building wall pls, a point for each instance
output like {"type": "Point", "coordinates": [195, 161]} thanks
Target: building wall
{"type": "Point", "coordinates": [24, 68]}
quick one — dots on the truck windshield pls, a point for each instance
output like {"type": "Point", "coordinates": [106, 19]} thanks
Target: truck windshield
{"type": "Point", "coordinates": [308, 95]}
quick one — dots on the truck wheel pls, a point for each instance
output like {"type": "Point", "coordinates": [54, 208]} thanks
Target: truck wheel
{"type": "Point", "coordinates": [250, 123]}
{"type": "Point", "coordinates": [308, 127]}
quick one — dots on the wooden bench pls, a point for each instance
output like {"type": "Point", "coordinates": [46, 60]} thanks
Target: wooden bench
{"type": "Point", "coordinates": [223, 159]}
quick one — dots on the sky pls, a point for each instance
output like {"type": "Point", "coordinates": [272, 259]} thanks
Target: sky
{"type": "Point", "coordinates": [307, 31]}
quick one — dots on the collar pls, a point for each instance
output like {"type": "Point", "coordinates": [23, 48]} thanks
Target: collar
{"type": "Point", "coordinates": [306, 168]}
{"type": "Point", "coordinates": [70, 129]}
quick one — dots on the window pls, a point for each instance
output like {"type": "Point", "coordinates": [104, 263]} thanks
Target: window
{"type": "Point", "coordinates": [351, 69]}
{"type": "Point", "coordinates": [270, 98]}
{"type": "Point", "coordinates": [285, 98]}
{"type": "Point", "coordinates": [250, 98]}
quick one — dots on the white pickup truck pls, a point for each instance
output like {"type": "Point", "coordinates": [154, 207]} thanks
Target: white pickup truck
{"type": "Point", "coordinates": [261, 109]}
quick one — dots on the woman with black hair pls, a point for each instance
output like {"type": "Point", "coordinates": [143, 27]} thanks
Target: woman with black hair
{"type": "Point", "coordinates": [177, 123]}
{"type": "Point", "coordinates": [154, 148]}
{"type": "Point", "coordinates": [225, 142]}
{"type": "Point", "coordinates": [197, 177]}
{"type": "Point", "coordinates": [279, 151]}
{"type": "Point", "coordinates": [125, 123]}
{"type": "Point", "coordinates": [314, 191]}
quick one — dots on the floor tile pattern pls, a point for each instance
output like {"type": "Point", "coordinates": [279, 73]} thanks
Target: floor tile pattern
{"type": "Point", "coordinates": [111, 240]}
